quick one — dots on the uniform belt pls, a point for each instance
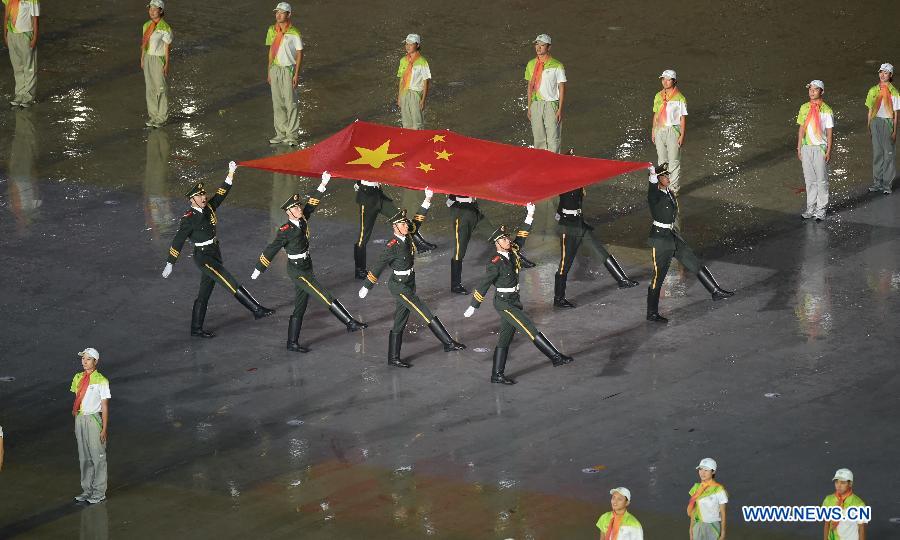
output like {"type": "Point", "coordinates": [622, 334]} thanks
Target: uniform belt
{"type": "Point", "coordinates": [369, 184]}
{"type": "Point", "coordinates": [403, 272]}
{"type": "Point", "coordinates": [506, 290]}
{"type": "Point", "coordinates": [208, 242]}
{"type": "Point", "coordinates": [663, 225]}
{"type": "Point", "coordinates": [303, 255]}
{"type": "Point", "coordinates": [572, 212]}
{"type": "Point", "coordinates": [465, 199]}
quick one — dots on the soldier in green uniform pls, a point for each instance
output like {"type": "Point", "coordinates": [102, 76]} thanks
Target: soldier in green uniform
{"type": "Point", "coordinates": [399, 256]}
{"type": "Point", "coordinates": [574, 230]}
{"type": "Point", "coordinates": [466, 216]}
{"type": "Point", "coordinates": [199, 224]}
{"type": "Point", "coordinates": [293, 237]}
{"type": "Point", "coordinates": [372, 201]}
{"type": "Point", "coordinates": [666, 242]}
{"type": "Point", "coordinates": [503, 273]}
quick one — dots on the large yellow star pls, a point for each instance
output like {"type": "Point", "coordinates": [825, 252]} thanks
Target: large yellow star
{"type": "Point", "coordinates": [443, 154]}
{"type": "Point", "coordinates": [425, 167]}
{"type": "Point", "coordinates": [376, 157]}
{"type": "Point", "coordinates": [438, 138]}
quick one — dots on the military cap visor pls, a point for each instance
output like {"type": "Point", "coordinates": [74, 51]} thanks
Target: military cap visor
{"type": "Point", "coordinates": [293, 201]}
{"type": "Point", "coordinates": [399, 217]}
{"type": "Point", "coordinates": [662, 169]}
{"type": "Point", "coordinates": [196, 189]}
{"type": "Point", "coordinates": [499, 233]}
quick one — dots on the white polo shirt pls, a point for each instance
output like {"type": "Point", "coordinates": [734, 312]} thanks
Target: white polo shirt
{"type": "Point", "coordinates": [98, 390]}
{"type": "Point", "coordinates": [709, 504]}
{"type": "Point", "coordinates": [421, 72]}
{"type": "Point", "coordinates": [292, 42]}
{"type": "Point", "coordinates": [554, 73]}
{"type": "Point", "coordinates": [676, 107]}
{"type": "Point", "coordinates": [160, 37]}
{"type": "Point", "coordinates": [27, 10]}
{"type": "Point", "coordinates": [826, 120]}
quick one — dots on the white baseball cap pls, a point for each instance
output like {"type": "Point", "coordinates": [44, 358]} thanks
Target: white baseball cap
{"type": "Point", "coordinates": [887, 67]}
{"type": "Point", "coordinates": [283, 6]}
{"type": "Point", "coordinates": [707, 463]}
{"type": "Point", "coordinates": [843, 474]}
{"type": "Point", "coordinates": [668, 74]}
{"type": "Point", "coordinates": [543, 38]}
{"type": "Point", "coordinates": [413, 38]}
{"type": "Point", "coordinates": [90, 351]}
{"type": "Point", "coordinates": [817, 83]}
{"type": "Point", "coordinates": [157, 3]}
{"type": "Point", "coordinates": [623, 491]}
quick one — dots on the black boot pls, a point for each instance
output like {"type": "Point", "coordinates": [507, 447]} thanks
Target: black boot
{"type": "Point", "coordinates": [197, 317]}
{"type": "Point", "coordinates": [709, 282]}
{"type": "Point", "coordinates": [293, 340]}
{"type": "Point", "coordinates": [339, 311]}
{"type": "Point", "coordinates": [543, 344]}
{"type": "Point", "coordinates": [359, 259]}
{"type": "Point", "coordinates": [559, 291]}
{"type": "Point", "coordinates": [497, 375]}
{"type": "Point", "coordinates": [616, 271]}
{"type": "Point", "coordinates": [653, 306]}
{"type": "Point", "coordinates": [437, 327]}
{"type": "Point", "coordinates": [422, 245]}
{"type": "Point", "coordinates": [456, 277]}
{"type": "Point", "coordinates": [250, 303]}
{"type": "Point", "coordinates": [395, 341]}
{"type": "Point", "coordinates": [524, 261]}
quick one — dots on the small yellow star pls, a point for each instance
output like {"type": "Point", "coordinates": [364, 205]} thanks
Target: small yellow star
{"type": "Point", "coordinates": [374, 158]}
{"type": "Point", "coordinates": [425, 167]}
{"type": "Point", "coordinates": [443, 154]}
{"type": "Point", "coordinates": [438, 138]}
{"type": "Point", "coordinates": [399, 164]}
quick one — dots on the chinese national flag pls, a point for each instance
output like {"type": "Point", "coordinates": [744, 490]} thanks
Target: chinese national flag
{"type": "Point", "coordinates": [446, 162]}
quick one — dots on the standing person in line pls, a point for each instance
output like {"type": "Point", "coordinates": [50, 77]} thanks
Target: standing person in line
{"type": "Point", "coordinates": [546, 93]}
{"type": "Point", "coordinates": [816, 121]}
{"type": "Point", "coordinates": [283, 74]}
{"type": "Point", "coordinates": [667, 133]}
{"type": "Point", "coordinates": [20, 33]}
{"type": "Point", "coordinates": [883, 102]}
{"type": "Point", "coordinates": [619, 523]}
{"type": "Point", "coordinates": [155, 46]}
{"type": "Point", "coordinates": [466, 216]}
{"type": "Point", "coordinates": [91, 413]}
{"type": "Point", "coordinates": [706, 509]}
{"type": "Point", "coordinates": [844, 497]}
{"type": "Point", "coordinates": [1, 448]}
{"type": "Point", "coordinates": [415, 77]}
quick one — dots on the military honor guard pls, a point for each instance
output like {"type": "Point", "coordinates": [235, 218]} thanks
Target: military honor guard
{"type": "Point", "coordinates": [666, 242]}
{"type": "Point", "coordinates": [399, 256]}
{"type": "Point", "coordinates": [503, 273]}
{"type": "Point", "coordinates": [466, 216]}
{"type": "Point", "coordinates": [293, 237]}
{"type": "Point", "coordinates": [199, 225]}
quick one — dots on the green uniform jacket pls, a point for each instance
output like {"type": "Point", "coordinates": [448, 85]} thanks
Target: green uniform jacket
{"type": "Point", "coordinates": [664, 209]}
{"type": "Point", "coordinates": [398, 254]}
{"type": "Point", "coordinates": [198, 226]}
{"type": "Point", "coordinates": [293, 239]}
{"type": "Point", "coordinates": [501, 272]}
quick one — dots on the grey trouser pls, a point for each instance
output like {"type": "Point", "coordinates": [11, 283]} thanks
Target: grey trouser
{"type": "Point", "coordinates": [411, 114]}
{"type": "Point", "coordinates": [24, 65]}
{"type": "Point", "coordinates": [706, 531]}
{"type": "Point", "coordinates": [815, 172]}
{"type": "Point", "coordinates": [547, 131]}
{"type": "Point", "coordinates": [91, 455]}
{"type": "Point", "coordinates": [883, 160]}
{"type": "Point", "coordinates": [284, 102]}
{"type": "Point", "coordinates": [157, 89]}
{"type": "Point", "coordinates": [668, 151]}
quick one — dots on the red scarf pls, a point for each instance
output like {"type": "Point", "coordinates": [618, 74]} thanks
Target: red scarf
{"type": "Point", "coordinates": [841, 500]}
{"type": "Point", "coordinates": [145, 41]}
{"type": "Point", "coordinates": [407, 75]}
{"type": "Point", "coordinates": [82, 390]}
{"type": "Point", "coordinates": [661, 118]}
{"type": "Point", "coordinates": [884, 96]}
{"type": "Point", "coordinates": [813, 118]}
{"type": "Point", "coordinates": [535, 83]}
{"type": "Point", "coordinates": [613, 532]}
{"type": "Point", "coordinates": [13, 9]}
{"type": "Point", "coordinates": [276, 43]}
{"type": "Point", "coordinates": [693, 502]}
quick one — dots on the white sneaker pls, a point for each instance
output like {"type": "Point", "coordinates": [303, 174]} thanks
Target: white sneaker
{"type": "Point", "coordinates": [275, 140]}
{"type": "Point", "coordinates": [15, 103]}
{"type": "Point", "coordinates": [81, 498]}
{"type": "Point", "coordinates": [98, 500]}
{"type": "Point", "coordinates": [806, 215]}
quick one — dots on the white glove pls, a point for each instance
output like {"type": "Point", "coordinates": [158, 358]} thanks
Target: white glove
{"type": "Point", "coordinates": [363, 292]}
{"type": "Point", "coordinates": [428, 193]}
{"type": "Point", "coordinates": [167, 270]}
{"type": "Point", "coordinates": [653, 178]}
{"type": "Point", "coordinates": [355, 187]}
{"type": "Point", "coordinates": [652, 169]}
{"type": "Point", "coordinates": [469, 312]}
{"type": "Point", "coordinates": [255, 273]}
{"type": "Point", "coordinates": [326, 176]}
{"type": "Point", "coordinates": [557, 217]}
{"type": "Point", "coordinates": [232, 166]}
{"type": "Point", "coordinates": [529, 217]}
{"type": "Point", "coordinates": [449, 202]}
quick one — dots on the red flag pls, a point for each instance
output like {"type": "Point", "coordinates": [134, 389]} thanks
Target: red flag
{"type": "Point", "coordinates": [446, 162]}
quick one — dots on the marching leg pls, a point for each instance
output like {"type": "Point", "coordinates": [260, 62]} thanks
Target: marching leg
{"type": "Point", "coordinates": [559, 291]}
{"type": "Point", "coordinates": [339, 311]}
{"type": "Point", "coordinates": [551, 352]}
{"type": "Point", "coordinates": [612, 265]}
{"type": "Point", "coordinates": [247, 300]}
{"type": "Point", "coordinates": [293, 341]}
{"type": "Point", "coordinates": [708, 281]}
{"type": "Point", "coordinates": [456, 277]}
{"type": "Point", "coordinates": [497, 375]}
{"type": "Point", "coordinates": [197, 317]}
{"type": "Point", "coordinates": [395, 341]}
{"type": "Point", "coordinates": [437, 327]}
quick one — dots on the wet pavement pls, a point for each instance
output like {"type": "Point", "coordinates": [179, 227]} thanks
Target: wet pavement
{"type": "Point", "coordinates": [791, 379]}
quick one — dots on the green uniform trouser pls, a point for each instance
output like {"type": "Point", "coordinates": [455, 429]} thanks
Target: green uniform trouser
{"type": "Point", "coordinates": [706, 531]}
{"type": "Point", "coordinates": [306, 284]}
{"type": "Point", "coordinates": [24, 65]}
{"type": "Point", "coordinates": [512, 318]}
{"type": "Point", "coordinates": [668, 151]}
{"type": "Point", "coordinates": [547, 131]}
{"type": "Point", "coordinates": [404, 290]}
{"type": "Point", "coordinates": [662, 251]}
{"type": "Point", "coordinates": [464, 222]}
{"type": "Point", "coordinates": [570, 239]}
{"type": "Point", "coordinates": [91, 455]}
{"type": "Point", "coordinates": [284, 102]}
{"type": "Point", "coordinates": [883, 160]}
{"type": "Point", "coordinates": [368, 213]}
{"type": "Point", "coordinates": [157, 89]}
{"type": "Point", "coordinates": [411, 114]}
{"type": "Point", "coordinates": [209, 261]}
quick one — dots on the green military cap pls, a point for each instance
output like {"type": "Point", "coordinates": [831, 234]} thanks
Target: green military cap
{"type": "Point", "coordinates": [293, 201]}
{"type": "Point", "coordinates": [399, 217]}
{"type": "Point", "coordinates": [499, 233]}
{"type": "Point", "coordinates": [196, 189]}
